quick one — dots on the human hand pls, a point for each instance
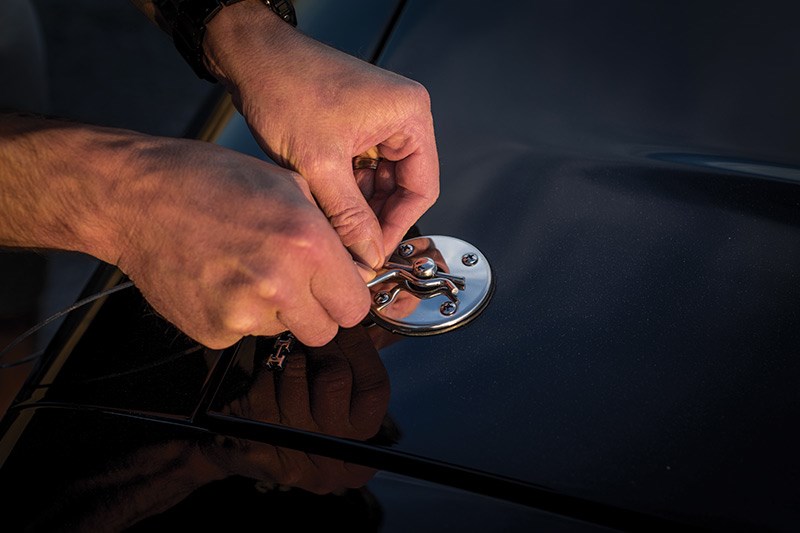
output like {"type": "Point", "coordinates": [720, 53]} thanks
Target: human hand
{"type": "Point", "coordinates": [313, 108]}
{"type": "Point", "coordinates": [224, 245]}
{"type": "Point", "coordinates": [340, 389]}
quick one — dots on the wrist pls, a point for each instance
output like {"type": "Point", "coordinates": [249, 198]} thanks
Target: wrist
{"type": "Point", "coordinates": [63, 185]}
{"type": "Point", "coordinates": [104, 191]}
{"type": "Point", "coordinates": [244, 40]}
{"type": "Point", "coordinates": [187, 22]}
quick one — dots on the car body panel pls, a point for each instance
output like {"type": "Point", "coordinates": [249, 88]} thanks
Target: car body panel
{"type": "Point", "coordinates": [631, 173]}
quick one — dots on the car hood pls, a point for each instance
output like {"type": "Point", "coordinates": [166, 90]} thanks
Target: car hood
{"type": "Point", "coordinates": [630, 172]}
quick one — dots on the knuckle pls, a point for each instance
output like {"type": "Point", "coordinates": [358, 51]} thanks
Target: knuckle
{"type": "Point", "coordinates": [302, 232]}
{"type": "Point", "coordinates": [268, 288]}
{"type": "Point", "coordinates": [219, 342]}
{"type": "Point", "coordinates": [239, 322]}
{"type": "Point", "coordinates": [322, 333]}
{"type": "Point", "coordinates": [432, 193]}
{"type": "Point", "coordinates": [305, 237]}
{"type": "Point", "coordinates": [355, 310]}
{"type": "Point", "coordinates": [419, 94]}
{"type": "Point", "coordinates": [353, 223]}
{"type": "Point", "coordinates": [422, 94]}
{"type": "Point", "coordinates": [323, 166]}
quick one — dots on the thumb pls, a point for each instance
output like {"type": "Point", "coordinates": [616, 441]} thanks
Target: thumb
{"type": "Point", "coordinates": [339, 197]}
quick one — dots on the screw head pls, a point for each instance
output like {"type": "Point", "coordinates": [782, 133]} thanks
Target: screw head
{"type": "Point", "coordinates": [469, 259]}
{"type": "Point", "coordinates": [405, 250]}
{"type": "Point", "coordinates": [381, 298]}
{"type": "Point", "coordinates": [424, 267]}
{"type": "Point", "coordinates": [448, 308]}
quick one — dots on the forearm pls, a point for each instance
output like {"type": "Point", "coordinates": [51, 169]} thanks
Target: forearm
{"type": "Point", "coordinates": [60, 185]}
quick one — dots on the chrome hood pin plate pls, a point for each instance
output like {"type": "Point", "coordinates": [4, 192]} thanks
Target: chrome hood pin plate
{"type": "Point", "coordinates": [431, 285]}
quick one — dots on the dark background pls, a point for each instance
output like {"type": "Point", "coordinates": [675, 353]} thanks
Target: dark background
{"type": "Point", "coordinates": [109, 65]}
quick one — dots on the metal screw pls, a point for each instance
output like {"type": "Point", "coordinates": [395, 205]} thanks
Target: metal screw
{"type": "Point", "coordinates": [469, 259]}
{"type": "Point", "coordinates": [425, 267]}
{"type": "Point", "coordinates": [382, 298]}
{"type": "Point", "coordinates": [405, 250]}
{"type": "Point", "coordinates": [448, 308]}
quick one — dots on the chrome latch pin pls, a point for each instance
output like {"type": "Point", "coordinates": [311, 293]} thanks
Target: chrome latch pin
{"type": "Point", "coordinates": [449, 283]}
{"type": "Point", "coordinates": [423, 274]}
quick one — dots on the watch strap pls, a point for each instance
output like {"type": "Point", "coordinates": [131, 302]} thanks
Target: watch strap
{"type": "Point", "coordinates": [284, 9]}
{"type": "Point", "coordinates": [187, 20]}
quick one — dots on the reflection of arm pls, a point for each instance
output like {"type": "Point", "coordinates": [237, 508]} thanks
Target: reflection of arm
{"type": "Point", "coordinates": [340, 389]}
{"type": "Point", "coordinates": [156, 478]}
{"type": "Point", "coordinates": [148, 482]}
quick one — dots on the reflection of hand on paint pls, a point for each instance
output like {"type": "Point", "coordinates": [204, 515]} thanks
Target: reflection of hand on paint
{"type": "Point", "coordinates": [340, 389]}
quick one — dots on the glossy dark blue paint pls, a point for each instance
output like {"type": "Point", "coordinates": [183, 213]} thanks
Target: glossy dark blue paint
{"type": "Point", "coordinates": [631, 172]}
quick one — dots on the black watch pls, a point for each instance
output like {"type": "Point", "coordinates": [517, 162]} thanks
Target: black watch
{"type": "Point", "coordinates": [187, 20]}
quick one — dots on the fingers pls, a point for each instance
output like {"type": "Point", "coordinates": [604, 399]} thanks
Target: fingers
{"type": "Point", "coordinates": [330, 391]}
{"type": "Point", "coordinates": [367, 274]}
{"type": "Point", "coordinates": [400, 180]}
{"type": "Point", "coordinates": [338, 194]}
{"type": "Point", "coordinates": [415, 189]}
{"type": "Point", "coordinates": [370, 382]}
{"type": "Point", "coordinates": [340, 389]}
{"type": "Point", "coordinates": [313, 318]}
{"type": "Point", "coordinates": [399, 192]}
{"type": "Point", "coordinates": [310, 322]}
{"type": "Point", "coordinates": [314, 293]}
{"type": "Point", "coordinates": [292, 394]}
{"type": "Point", "coordinates": [231, 246]}
{"type": "Point", "coordinates": [365, 179]}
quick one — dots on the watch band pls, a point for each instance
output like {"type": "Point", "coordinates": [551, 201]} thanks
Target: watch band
{"type": "Point", "coordinates": [187, 20]}
{"type": "Point", "coordinates": [284, 9]}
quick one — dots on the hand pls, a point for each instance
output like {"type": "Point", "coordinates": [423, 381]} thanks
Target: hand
{"type": "Point", "coordinates": [221, 244]}
{"type": "Point", "coordinates": [340, 389]}
{"type": "Point", "coordinates": [224, 245]}
{"type": "Point", "coordinates": [313, 108]}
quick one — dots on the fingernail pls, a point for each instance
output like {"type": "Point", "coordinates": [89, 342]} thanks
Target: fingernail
{"type": "Point", "coordinates": [367, 252]}
{"type": "Point", "coordinates": [366, 272]}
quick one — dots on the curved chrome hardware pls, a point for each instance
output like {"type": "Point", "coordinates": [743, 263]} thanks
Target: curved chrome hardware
{"type": "Point", "coordinates": [422, 278]}
{"type": "Point", "coordinates": [431, 285]}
